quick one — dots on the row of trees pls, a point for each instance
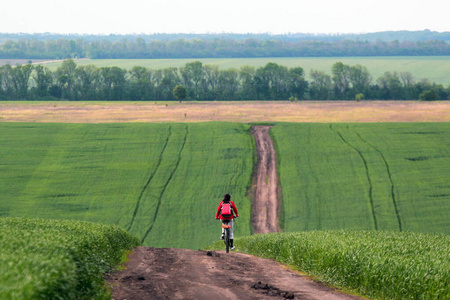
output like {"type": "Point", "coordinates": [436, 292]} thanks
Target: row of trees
{"type": "Point", "coordinates": [387, 36]}
{"type": "Point", "coordinates": [223, 48]}
{"type": "Point", "coordinates": [208, 82]}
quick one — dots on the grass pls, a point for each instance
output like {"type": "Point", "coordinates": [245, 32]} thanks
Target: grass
{"type": "Point", "coordinates": [48, 259]}
{"type": "Point", "coordinates": [388, 176]}
{"type": "Point", "coordinates": [435, 68]}
{"type": "Point", "coordinates": [376, 264]}
{"type": "Point", "coordinates": [161, 182]}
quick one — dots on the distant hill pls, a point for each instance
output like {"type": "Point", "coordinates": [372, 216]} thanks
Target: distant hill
{"type": "Point", "coordinates": [413, 36]}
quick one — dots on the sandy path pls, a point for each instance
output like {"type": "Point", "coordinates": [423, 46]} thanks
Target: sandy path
{"type": "Point", "coordinates": [162, 273]}
{"type": "Point", "coordinates": [265, 204]}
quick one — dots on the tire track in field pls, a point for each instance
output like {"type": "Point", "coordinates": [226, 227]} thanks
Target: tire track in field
{"type": "Point", "coordinates": [147, 184]}
{"type": "Point", "coordinates": [367, 174]}
{"type": "Point", "coordinates": [165, 186]}
{"type": "Point", "coordinates": [318, 192]}
{"type": "Point", "coordinates": [388, 170]}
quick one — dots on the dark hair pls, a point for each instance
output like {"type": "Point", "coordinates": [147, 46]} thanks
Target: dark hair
{"type": "Point", "coordinates": [227, 197]}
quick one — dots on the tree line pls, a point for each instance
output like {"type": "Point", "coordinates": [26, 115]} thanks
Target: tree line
{"type": "Point", "coordinates": [208, 82]}
{"type": "Point", "coordinates": [387, 36]}
{"type": "Point", "coordinates": [139, 48]}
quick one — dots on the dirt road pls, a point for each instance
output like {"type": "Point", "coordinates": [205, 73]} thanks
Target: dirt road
{"type": "Point", "coordinates": [162, 273]}
{"type": "Point", "coordinates": [265, 183]}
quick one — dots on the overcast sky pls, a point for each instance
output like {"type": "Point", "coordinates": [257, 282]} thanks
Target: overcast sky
{"type": "Point", "coordinates": [214, 16]}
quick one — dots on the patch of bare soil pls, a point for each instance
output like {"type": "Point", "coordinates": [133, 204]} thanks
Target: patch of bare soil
{"type": "Point", "coordinates": [265, 183]}
{"type": "Point", "coordinates": [162, 273]}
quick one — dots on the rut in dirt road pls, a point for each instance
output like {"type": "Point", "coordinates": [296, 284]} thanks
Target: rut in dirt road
{"type": "Point", "coordinates": [265, 183]}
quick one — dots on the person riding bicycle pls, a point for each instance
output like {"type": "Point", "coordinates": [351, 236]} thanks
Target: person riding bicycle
{"type": "Point", "coordinates": [227, 218]}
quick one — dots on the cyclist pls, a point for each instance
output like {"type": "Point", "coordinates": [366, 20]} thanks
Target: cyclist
{"type": "Point", "coordinates": [229, 219]}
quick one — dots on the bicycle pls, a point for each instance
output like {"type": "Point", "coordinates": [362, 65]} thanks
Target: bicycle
{"type": "Point", "coordinates": [226, 226]}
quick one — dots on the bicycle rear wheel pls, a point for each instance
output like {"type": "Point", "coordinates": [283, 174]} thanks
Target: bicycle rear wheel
{"type": "Point", "coordinates": [227, 240]}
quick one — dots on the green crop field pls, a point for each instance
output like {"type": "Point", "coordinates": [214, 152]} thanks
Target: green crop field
{"type": "Point", "coordinates": [377, 264]}
{"type": "Point", "coordinates": [387, 176]}
{"type": "Point", "coordinates": [435, 68]}
{"type": "Point", "coordinates": [161, 182]}
{"type": "Point", "coordinates": [53, 259]}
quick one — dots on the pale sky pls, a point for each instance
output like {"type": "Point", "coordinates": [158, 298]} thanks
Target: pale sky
{"type": "Point", "coordinates": [213, 16]}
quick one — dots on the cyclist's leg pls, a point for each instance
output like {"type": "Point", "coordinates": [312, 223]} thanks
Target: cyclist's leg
{"type": "Point", "coordinates": [231, 234]}
{"type": "Point", "coordinates": [231, 222]}
{"type": "Point", "coordinates": [223, 231]}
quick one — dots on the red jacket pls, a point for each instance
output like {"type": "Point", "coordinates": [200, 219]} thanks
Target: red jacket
{"type": "Point", "coordinates": [235, 212]}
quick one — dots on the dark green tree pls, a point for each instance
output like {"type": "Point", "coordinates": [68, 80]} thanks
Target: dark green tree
{"type": "Point", "coordinates": [228, 84]}
{"type": "Point", "coordinates": [428, 95]}
{"type": "Point", "coordinates": [141, 83]}
{"type": "Point", "coordinates": [321, 86]}
{"type": "Point", "coordinates": [360, 79]}
{"type": "Point", "coordinates": [272, 82]}
{"type": "Point", "coordinates": [65, 75]}
{"type": "Point", "coordinates": [391, 86]}
{"type": "Point", "coordinates": [7, 90]}
{"type": "Point", "coordinates": [247, 90]}
{"type": "Point", "coordinates": [87, 83]}
{"type": "Point", "coordinates": [341, 79]}
{"type": "Point", "coordinates": [21, 75]}
{"type": "Point", "coordinates": [170, 79]}
{"type": "Point", "coordinates": [114, 83]}
{"type": "Point", "coordinates": [298, 83]}
{"type": "Point", "coordinates": [193, 74]}
{"type": "Point", "coordinates": [180, 92]}
{"type": "Point", "coordinates": [43, 79]}
{"type": "Point", "coordinates": [211, 82]}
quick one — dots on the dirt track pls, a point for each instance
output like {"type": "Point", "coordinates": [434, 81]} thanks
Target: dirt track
{"type": "Point", "coordinates": [161, 273]}
{"type": "Point", "coordinates": [265, 204]}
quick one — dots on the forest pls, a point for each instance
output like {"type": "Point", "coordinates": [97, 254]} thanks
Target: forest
{"type": "Point", "coordinates": [49, 46]}
{"type": "Point", "coordinates": [208, 82]}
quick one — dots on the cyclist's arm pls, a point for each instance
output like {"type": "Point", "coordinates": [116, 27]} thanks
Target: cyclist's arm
{"type": "Point", "coordinates": [218, 210]}
{"type": "Point", "coordinates": [235, 209]}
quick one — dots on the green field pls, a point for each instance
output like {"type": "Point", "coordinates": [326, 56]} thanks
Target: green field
{"type": "Point", "coordinates": [52, 259]}
{"type": "Point", "coordinates": [162, 182]}
{"type": "Point", "coordinates": [388, 176]}
{"type": "Point", "coordinates": [434, 68]}
{"type": "Point", "coordinates": [376, 264]}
